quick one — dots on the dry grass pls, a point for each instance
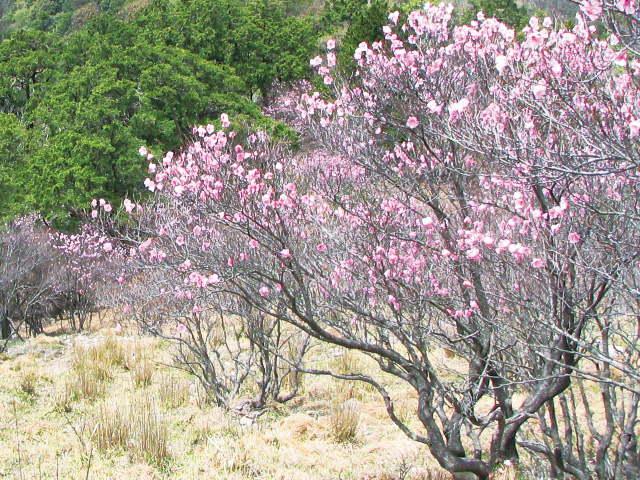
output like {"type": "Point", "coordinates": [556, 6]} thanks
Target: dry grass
{"type": "Point", "coordinates": [29, 381]}
{"type": "Point", "coordinates": [345, 418]}
{"type": "Point", "coordinates": [63, 398]}
{"type": "Point", "coordinates": [164, 428]}
{"type": "Point", "coordinates": [140, 366]}
{"type": "Point", "coordinates": [110, 425]}
{"type": "Point", "coordinates": [173, 392]}
{"type": "Point", "coordinates": [134, 425]}
{"type": "Point", "coordinates": [142, 372]}
{"type": "Point", "coordinates": [149, 435]}
{"type": "Point", "coordinates": [91, 369]}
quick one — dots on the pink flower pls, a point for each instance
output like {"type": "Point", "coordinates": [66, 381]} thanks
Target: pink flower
{"type": "Point", "coordinates": [412, 122]}
{"type": "Point", "coordinates": [427, 222]}
{"type": "Point", "coordinates": [107, 208]}
{"type": "Point", "coordinates": [127, 308]}
{"type": "Point", "coordinates": [627, 6]}
{"type": "Point", "coordinates": [180, 241]}
{"type": "Point", "coordinates": [316, 61]}
{"type": "Point", "coordinates": [634, 128]}
{"type": "Point", "coordinates": [94, 213]}
{"type": "Point", "coordinates": [539, 91]}
{"type": "Point", "coordinates": [120, 279]}
{"type": "Point", "coordinates": [128, 205]}
{"type": "Point", "coordinates": [574, 237]}
{"type": "Point", "coordinates": [322, 247]}
{"type": "Point", "coordinates": [394, 17]}
{"type": "Point", "coordinates": [107, 247]}
{"type": "Point", "coordinates": [434, 107]}
{"type": "Point", "coordinates": [592, 9]}
{"type": "Point", "coordinates": [143, 151]}
{"type": "Point", "coordinates": [264, 291]}
{"type": "Point", "coordinates": [94, 203]}
{"type": "Point", "coordinates": [473, 254]}
{"type": "Point", "coordinates": [224, 120]}
{"type": "Point", "coordinates": [118, 328]}
{"type": "Point", "coordinates": [150, 184]}
{"type": "Point", "coordinates": [286, 253]}
{"type": "Point", "coordinates": [331, 44]}
{"type": "Point", "coordinates": [459, 106]}
{"type": "Point", "coordinates": [253, 243]}
{"type": "Point", "coordinates": [196, 309]}
{"type": "Point", "coordinates": [181, 328]}
{"type": "Point", "coordinates": [537, 263]}
{"type": "Point", "coordinates": [501, 63]}
{"type": "Point", "coordinates": [144, 245]}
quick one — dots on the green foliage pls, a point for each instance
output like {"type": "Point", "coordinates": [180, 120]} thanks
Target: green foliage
{"type": "Point", "coordinates": [258, 39]}
{"type": "Point", "coordinates": [89, 103]}
{"type": "Point", "coordinates": [13, 152]}
{"type": "Point", "coordinates": [75, 109]}
{"type": "Point", "coordinates": [366, 26]}
{"type": "Point", "coordinates": [271, 47]}
{"type": "Point", "coordinates": [338, 12]}
{"type": "Point", "coordinates": [28, 60]}
{"type": "Point", "coordinates": [507, 11]}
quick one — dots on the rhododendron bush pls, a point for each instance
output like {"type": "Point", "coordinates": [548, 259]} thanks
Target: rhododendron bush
{"type": "Point", "coordinates": [46, 274]}
{"type": "Point", "coordinates": [468, 192]}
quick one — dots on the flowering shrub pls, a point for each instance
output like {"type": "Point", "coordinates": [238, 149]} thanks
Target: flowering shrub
{"type": "Point", "coordinates": [46, 274]}
{"type": "Point", "coordinates": [85, 260]}
{"type": "Point", "coordinates": [473, 192]}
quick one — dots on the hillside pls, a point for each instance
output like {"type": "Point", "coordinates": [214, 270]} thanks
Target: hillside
{"type": "Point", "coordinates": [63, 422]}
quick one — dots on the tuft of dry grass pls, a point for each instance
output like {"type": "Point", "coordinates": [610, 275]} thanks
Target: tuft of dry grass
{"type": "Point", "coordinates": [299, 426]}
{"type": "Point", "coordinates": [92, 366]}
{"type": "Point", "coordinates": [406, 409]}
{"type": "Point", "coordinates": [207, 424]}
{"type": "Point", "coordinates": [172, 392]}
{"type": "Point", "coordinates": [29, 381]}
{"type": "Point", "coordinates": [111, 425]}
{"type": "Point", "coordinates": [94, 359]}
{"type": "Point", "coordinates": [140, 367]}
{"type": "Point", "coordinates": [63, 398]}
{"type": "Point", "coordinates": [345, 418]}
{"type": "Point", "coordinates": [150, 438]}
{"type": "Point", "coordinates": [112, 351]}
{"type": "Point", "coordinates": [142, 372]}
{"type": "Point", "coordinates": [86, 385]}
{"type": "Point", "coordinates": [135, 426]}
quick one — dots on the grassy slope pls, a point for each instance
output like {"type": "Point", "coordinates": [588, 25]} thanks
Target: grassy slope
{"type": "Point", "coordinates": [295, 441]}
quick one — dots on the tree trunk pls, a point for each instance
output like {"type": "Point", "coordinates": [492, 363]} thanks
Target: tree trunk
{"type": "Point", "coordinates": [5, 328]}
